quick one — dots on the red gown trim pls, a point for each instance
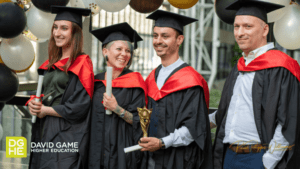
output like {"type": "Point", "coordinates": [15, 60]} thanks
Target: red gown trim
{"type": "Point", "coordinates": [271, 59]}
{"type": "Point", "coordinates": [184, 78]}
{"type": "Point", "coordinates": [129, 80]}
{"type": "Point", "coordinates": [82, 67]}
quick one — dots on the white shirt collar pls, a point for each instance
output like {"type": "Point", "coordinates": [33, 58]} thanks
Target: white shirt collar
{"type": "Point", "coordinates": [173, 65]}
{"type": "Point", "coordinates": [259, 51]}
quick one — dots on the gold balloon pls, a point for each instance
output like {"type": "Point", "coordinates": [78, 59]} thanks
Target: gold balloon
{"type": "Point", "coordinates": [19, 2]}
{"type": "Point", "coordinates": [183, 4]}
{"type": "Point", "coordinates": [2, 1]}
{"type": "Point", "coordinates": [1, 60]}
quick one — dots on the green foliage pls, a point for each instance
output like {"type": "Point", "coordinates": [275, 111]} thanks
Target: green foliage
{"type": "Point", "coordinates": [214, 97]}
{"type": "Point", "coordinates": [214, 100]}
{"type": "Point", "coordinates": [237, 54]}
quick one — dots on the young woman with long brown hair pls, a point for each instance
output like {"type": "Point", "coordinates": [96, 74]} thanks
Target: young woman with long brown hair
{"type": "Point", "coordinates": [64, 114]}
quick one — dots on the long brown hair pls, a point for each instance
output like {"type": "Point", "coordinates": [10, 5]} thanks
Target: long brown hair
{"type": "Point", "coordinates": [55, 53]}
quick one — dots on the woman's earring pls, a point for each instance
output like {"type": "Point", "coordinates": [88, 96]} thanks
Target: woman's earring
{"type": "Point", "coordinates": [106, 57]}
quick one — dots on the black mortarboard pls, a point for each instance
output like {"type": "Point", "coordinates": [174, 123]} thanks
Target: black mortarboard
{"type": "Point", "coordinates": [121, 31]}
{"type": "Point", "coordinates": [172, 20]}
{"type": "Point", "coordinates": [70, 13]}
{"type": "Point", "coordinates": [255, 8]}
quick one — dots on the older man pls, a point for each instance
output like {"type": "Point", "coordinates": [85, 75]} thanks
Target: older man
{"type": "Point", "coordinates": [179, 129]}
{"type": "Point", "coordinates": [258, 113]}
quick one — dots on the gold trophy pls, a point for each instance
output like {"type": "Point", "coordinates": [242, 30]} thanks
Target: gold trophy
{"type": "Point", "coordinates": [145, 115]}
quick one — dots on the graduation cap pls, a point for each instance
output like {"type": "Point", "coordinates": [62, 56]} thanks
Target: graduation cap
{"type": "Point", "coordinates": [172, 20]}
{"type": "Point", "coordinates": [257, 8]}
{"type": "Point", "coordinates": [121, 31]}
{"type": "Point", "coordinates": [70, 13]}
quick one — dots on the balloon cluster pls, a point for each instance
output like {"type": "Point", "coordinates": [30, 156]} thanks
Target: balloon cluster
{"type": "Point", "coordinates": [16, 52]}
{"type": "Point", "coordinates": [142, 6]}
{"type": "Point", "coordinates": [23, 21]}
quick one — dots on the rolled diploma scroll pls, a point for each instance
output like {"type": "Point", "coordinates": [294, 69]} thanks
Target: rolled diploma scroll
{"type": "Point", "coordinates": [132, 148]}
{"type": "Point", "coordinates": [38, 94]}
{"type": "Point", "coordinates": [108, 84]}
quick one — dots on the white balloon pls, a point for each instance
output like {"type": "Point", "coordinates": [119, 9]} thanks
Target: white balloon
{"type": "Point", "coordinates": [40, 23]}
{"type": "Point", "coordinates": [17, 53]}
{"type": "Point", "coordinates": [277, 14]}
{"type": "Point", "coordinates": [77, 3]}
{"type": "Point", "coordinates": [286, 30]}
{"type": "Point", "coordinates": [112, 5]}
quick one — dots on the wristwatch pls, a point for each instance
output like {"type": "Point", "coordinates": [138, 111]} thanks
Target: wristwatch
{"type": "Point", "coordinates": [163, 146]}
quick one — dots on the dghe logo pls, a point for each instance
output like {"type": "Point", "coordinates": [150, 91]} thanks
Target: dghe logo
{"type": "Point", "coordinates": [16, 147]}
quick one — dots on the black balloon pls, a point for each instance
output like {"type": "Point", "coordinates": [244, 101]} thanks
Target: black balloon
{"type": "Point", "coordinates": [45, 5]}
{"type": "Point", "coordinates": [12, 20]}
{"type": "Point", "coordinates": [1, 105]}
{"type": "Point", "coordinates": [9, 83]}
{"type": "Point", "coordinates": [225, 15]}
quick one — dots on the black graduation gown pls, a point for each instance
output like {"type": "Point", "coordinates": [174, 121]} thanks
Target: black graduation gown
{"type": "Point", "coordinates": [110, 134]}
{"type": "Point", "coordinates": [182, 108]}
{"type": "Point", "coordinates": [276, 99]}
{"type": "Point", "coordinates": [73, 126]}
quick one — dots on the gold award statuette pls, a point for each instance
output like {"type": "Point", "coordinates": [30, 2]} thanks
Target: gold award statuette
{"type": "Point", "coordinates": [145, 115]}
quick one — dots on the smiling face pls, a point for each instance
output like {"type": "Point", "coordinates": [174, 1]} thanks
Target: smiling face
{"type": "Point", "coordinates": [118, 52]}
{"type": "Point", "coordinates": [62, 33]}
{"type": "Point", "coordinates": [250, 32]}
{"type": "Point", "coordinates": [166, 41]}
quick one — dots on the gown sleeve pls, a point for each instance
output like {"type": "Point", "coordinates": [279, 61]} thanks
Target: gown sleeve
{"type": "Point", "coordinates": [288, 112]}
{"type": "Point", "coordinates": [76, 107]}
{"type": "Point", "coordinates": [194, 115]}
